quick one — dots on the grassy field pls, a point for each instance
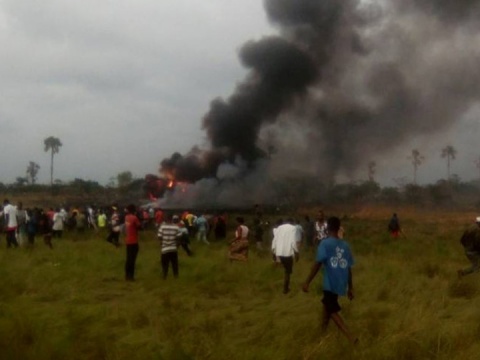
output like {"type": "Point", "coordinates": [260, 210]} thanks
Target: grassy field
{"type": "Point", "coordinates": [72, 302]}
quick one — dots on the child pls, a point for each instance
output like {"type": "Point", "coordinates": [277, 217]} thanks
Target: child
{"type": "Point", "coordinates": [337, 259]}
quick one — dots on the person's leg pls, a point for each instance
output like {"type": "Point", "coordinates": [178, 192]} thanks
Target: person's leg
{"type": "Point", "coordinates": [337, 319]}
{"type": "Point", "coordinates": [47, 239]}
{"type": "Point", "coordinates": [14, 238]}
{"type": "Point", "coordinates": [116, 238]}
{"type": "Point", "coordinates": [186, 248]}
{"type": "Point", "coordinates": [325, 319]}
{"type": "Point", "coordinates": [134, 259]}
{"type": "Point", "coordinates": [165, 265]}
{"type": "Point", "coordinates": [128, 262]}
{"type": "Point", "coordinates": [475, 263]}
{"type": "Point", "coordinates": [174, 260]}
{"type": "Point", "coordinates": [287, 262]}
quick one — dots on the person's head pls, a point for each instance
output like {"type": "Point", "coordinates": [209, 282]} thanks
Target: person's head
{"type": "Point", "coordinates": [477, 221]}
{"type": "Point", "coordinates": [6, 202]}
{"type": "Point", "coordinates": [131, 209]}
{"type": "Point", "coordinates": [240, 220]}
{"type": "Point", "coordinates": [321, 215]}
{"type": "Point", "coordinates": [333, 225]}
{"type": "Point", "coordinates": [175, 219]}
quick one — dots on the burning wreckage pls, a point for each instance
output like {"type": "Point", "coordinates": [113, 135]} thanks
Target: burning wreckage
{"type": "Point", "coordinates": [343, 82]}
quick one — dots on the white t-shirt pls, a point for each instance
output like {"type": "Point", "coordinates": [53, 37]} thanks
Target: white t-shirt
{"type": "Point", "coordinates": [11, 211]}
{"type": "Point", "coordinates": [284, 241]}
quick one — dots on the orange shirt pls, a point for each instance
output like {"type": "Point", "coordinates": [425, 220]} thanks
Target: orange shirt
{"type": "Point", "coordinates": [131, 229]}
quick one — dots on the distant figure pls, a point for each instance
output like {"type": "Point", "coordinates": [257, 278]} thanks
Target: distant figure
{"type": "Point", "coordinates": [45, 228]}
{"type": "Point", "coordinates": [201, 224]}
{"type": "Point", "coordinates": [81, 222]}
{"type": "Point", "coordinates": [309, 232]}
{"type": "Point", "coordinates": [258, 230]}
{"type": "Point", "coordinates": [169, 234]}
{"type": "Point", "coordinates": [114, 235]}
{"type": "Point", "coordinates": [184, 238]}
{"type": "Point", "coordinates": [57, 227]}
{"type": "Point", "coordinates": [320, 227]}
{"type": "Point", "coordinates": [10, 213]}
{"type": "Point", "coordinates": [21, 221]}
{"type": "Point", "coordinates": [285, 249]}
{"type": "Point", "coordinates": [132, 225]}
{"type": "Point", "coordinates": [220, 227]}
{"type": "Point", "coordinates": [102, 220]}
{"type": "Point", "coordinates": [394, 226]}
{"type": "Point", "coordinates": [239, 246]}
{"type": "Point", "coordinates": [470, 241]}
{"type": "Point", "coordinates": [32, 224]}
{"type": "Point", "coordinates": [335, 255]}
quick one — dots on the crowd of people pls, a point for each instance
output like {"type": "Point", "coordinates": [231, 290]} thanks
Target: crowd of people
{"type": "Point", "coordinates": [322, 236]}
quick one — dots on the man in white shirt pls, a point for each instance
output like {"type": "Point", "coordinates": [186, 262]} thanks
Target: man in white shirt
{"type": "Point", "coordinates": [284, 247]}
{"type": "Point", "coordinates": [10, 213]}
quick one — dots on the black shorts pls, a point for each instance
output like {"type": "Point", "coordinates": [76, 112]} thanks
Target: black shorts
{"type": "Point", "coordinates": [287, 262]}
{"type": "Point", "coordinates": [330, 301]}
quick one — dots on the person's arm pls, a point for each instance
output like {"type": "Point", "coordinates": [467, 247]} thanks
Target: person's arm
{"type": "Point", "coordinates": [312, 274]}
{"type": "Point", "coordinates": [295, 250]}
{"type": "Point", "coordinates": [350, 284]}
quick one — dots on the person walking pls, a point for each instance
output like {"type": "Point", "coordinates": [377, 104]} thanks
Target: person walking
{"type": "Point", "coordinates": [335, 256]}
{"type": "Point", "coordinates": [132, 225]}
{"type": "Point", "coordinates": [10, 213]}
{"type": "Point", "coordinates": [470, 241]}
{"type": "Point", "coordinates": [285, 249]}
{"type": "Point", "coordinates": [169, 234]}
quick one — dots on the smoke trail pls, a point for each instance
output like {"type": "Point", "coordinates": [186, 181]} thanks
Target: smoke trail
{"type": "Point", "coordinates": [346, 81]}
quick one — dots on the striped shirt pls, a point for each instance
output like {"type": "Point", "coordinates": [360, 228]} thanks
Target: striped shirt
{"type": "Point", "coordinates": [169, 235]}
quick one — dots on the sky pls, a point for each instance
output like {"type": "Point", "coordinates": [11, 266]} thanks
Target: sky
{"type": "Point", "coordinates": [121, 83]}
{"type": "Point", "coordinates": [124, 84]}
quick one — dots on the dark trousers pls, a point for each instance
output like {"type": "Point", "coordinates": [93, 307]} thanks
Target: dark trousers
{"type": "Point", "coordinates": [185, 247]}
{"type": "Point", "coordinates": [287, 262]}
{"type": "Point", "coordinates": [11, 238]}
{"type": "Point", "coordinates": [132, 251]}
{"type": "Point", "coordinates": [167, 258]}
{"type": "Point", "coordinates": [31, 238]}
{"type": "Point", "coordinates": [113, 237]}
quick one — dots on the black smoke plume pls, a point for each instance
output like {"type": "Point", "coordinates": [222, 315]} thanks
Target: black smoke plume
{"type": "Point", "coordinates": [345, 81]}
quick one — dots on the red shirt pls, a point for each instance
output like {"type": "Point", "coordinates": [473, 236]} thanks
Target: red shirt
{"type": "Point", "coordinates": [131, 229]}
{"type": "Point", "coordinates": [159, 217]}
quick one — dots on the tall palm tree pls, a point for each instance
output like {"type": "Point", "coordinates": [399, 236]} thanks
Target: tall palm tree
{"type": "Point", "coordinates": [53, 145]}
{"type": "Point", "coordinates": [449, 153]}
{"type": "Point", "coordinates": [372, 169]}
{"type": "Point", "coordinates": [417, 159]}
{"type": "Point", "coordinates": [477, 163]}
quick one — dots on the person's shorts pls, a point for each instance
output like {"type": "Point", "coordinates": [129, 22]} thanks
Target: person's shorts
{"type": "Point", "coordinates": [287, 262]}
{"type": "Point", "coordinates": [330, 301]}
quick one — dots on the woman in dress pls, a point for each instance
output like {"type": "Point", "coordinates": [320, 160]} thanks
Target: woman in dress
{"type": "Point", "coordinates": [239, 245]}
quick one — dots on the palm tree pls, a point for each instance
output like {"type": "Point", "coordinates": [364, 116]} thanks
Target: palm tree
{"type": "Point", "coordinates": [372, 168]}
{"type": "Point", "coordinates": [53, 144]}
{"type": "Point", "coordinates": [449, 152]}
{"type": "Point", "coordinates": [477, 163]}
{"type": "Point", "coordinates": [32, 171]}
{"type": "Point", "coordinates": [417, 159]}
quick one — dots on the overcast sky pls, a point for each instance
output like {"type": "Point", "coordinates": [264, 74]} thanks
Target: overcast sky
{"type": "Point", "coordinates": [122, 83]}
{"type": "Point", "coordinates": [125, 83]}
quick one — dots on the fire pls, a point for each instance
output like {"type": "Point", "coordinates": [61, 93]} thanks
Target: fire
{"type": "Point", "coordinates": [171, 184]}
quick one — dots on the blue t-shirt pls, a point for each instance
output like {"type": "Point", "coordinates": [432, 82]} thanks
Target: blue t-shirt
{"type": "Point", "coordinates": [336, 257]}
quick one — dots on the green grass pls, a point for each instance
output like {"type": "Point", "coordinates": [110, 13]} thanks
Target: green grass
{"type": "Point", "coordinates": [72, 302]}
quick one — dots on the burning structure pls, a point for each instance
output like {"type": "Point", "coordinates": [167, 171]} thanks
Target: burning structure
{"type": "Point", "coordinates": [343, 81]}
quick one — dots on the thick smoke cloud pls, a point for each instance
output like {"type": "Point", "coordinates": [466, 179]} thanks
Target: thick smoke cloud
{"type": "Point", "coordinates": [350, 79]}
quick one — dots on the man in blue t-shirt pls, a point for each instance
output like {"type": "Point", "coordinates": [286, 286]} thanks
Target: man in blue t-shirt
{"type": "Point", "coordinates": [335, 255]}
